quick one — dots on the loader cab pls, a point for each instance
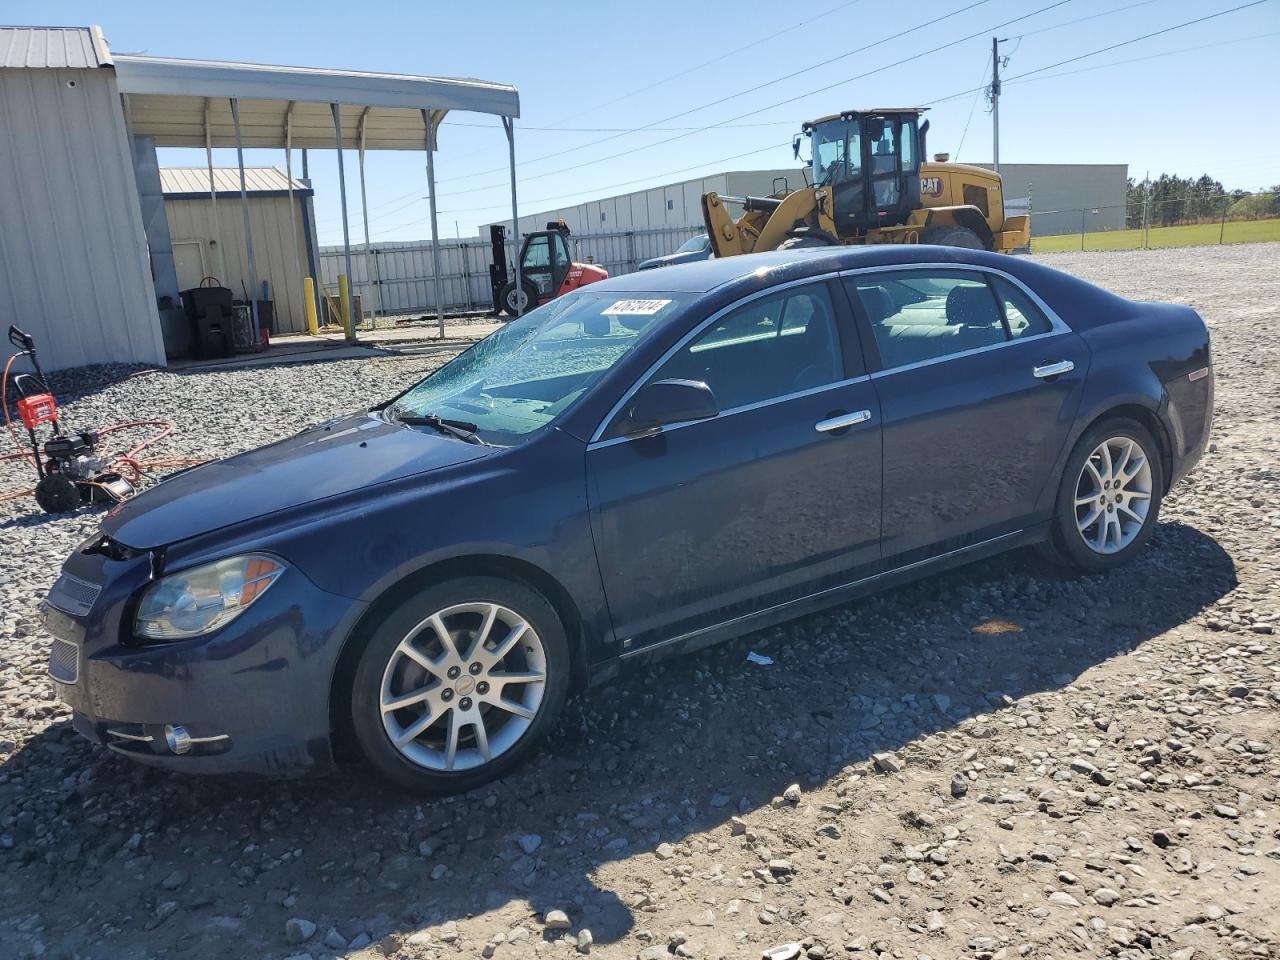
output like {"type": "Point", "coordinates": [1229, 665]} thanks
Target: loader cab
{"type": "Point", "coordinates": [870, 161]}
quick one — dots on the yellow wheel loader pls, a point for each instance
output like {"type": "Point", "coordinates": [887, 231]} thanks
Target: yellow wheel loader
{"type": "Point", "coordinates": [869, 185]}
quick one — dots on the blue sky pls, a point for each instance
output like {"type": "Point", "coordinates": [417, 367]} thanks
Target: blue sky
{"type": "Point", "coordinates": [1161, 105]}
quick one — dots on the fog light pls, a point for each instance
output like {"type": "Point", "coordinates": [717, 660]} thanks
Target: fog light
{"type": "Point", "coordinates": [177, 738]}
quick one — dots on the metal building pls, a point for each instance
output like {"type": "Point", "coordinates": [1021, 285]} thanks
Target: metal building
{"type": "Point", "coordinates": [620, 231]}
{"type": "Point", "coordinates": [87, 265]}
{"type": "Point", "coordinates": [206, 237]}
{"type": "Point", "coordinates": [1059, 195]}
{"type": "Point", "coordinates": [74, 270]}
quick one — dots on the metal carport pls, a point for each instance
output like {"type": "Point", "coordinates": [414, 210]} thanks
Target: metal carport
{"type": "Point", "coordinates": [203, 103]}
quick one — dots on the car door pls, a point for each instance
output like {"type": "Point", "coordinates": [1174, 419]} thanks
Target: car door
{"type": "Point", "coordinates": [978, 385]}
{"type": "Point", "coordinates": [775, 498]}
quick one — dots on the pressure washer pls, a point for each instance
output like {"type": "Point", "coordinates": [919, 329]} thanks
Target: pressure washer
{"type": "Point", "coordinates": [72, 467]}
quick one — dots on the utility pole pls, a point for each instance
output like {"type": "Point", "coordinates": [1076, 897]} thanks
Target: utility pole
{"type": "Point", "coordinates": [995, 103]}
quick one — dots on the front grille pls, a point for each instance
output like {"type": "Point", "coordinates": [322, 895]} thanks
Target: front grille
{"type": "Point", "coordinates": [73, 595]}
{"type": "Point", "coordinates": [64, 661]}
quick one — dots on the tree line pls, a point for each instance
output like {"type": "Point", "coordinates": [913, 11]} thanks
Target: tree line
{"type": "Point", "coordinates": [1173, 199]}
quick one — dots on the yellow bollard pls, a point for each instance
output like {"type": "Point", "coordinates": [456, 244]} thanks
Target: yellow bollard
{"type": "Point", "coordinates": [344, 305]}
{"type": "Point", "coordinates": [309, 302]}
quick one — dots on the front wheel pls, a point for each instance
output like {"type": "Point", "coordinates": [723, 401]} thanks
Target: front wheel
{"type": "Point", "coordinates": [1109, 498]}
{"type": "Point", "coordinates": [457, 686]}
{"type": "Point", "coordinates": [515, 301]}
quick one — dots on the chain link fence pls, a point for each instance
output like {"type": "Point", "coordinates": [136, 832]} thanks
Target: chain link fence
{"type": "Point", "coordinates": [1193, 219]}
{"type": "Point", "coordinates": [398, 278]}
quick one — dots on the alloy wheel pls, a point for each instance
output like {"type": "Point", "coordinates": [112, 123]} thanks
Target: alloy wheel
{"type": "Point", "coordinates": [463, 686]}
{"type": "Point", "coordinates": [1113, 495]}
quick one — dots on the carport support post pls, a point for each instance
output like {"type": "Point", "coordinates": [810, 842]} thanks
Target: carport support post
{"type": "Point", "coordinates": [298, 275]}
{"type": "Point", "coordinates": [509, 124]}
{"type": "Point", "coordinates": [435, 227]}
{"type": "Point", "coordinates": [213, 194]}
{"type": "Point", "coordinates": [248, 233]}
{"type": "Point", "coordinates": [346, 230]}
{"type": "Point", "coordinates": [376, 273]}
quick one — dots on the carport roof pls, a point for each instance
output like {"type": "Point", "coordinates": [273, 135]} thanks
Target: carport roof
{"type": "Point", "coordinates": [167, 100]}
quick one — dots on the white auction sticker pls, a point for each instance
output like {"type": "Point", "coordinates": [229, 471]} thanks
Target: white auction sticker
{"type": "Point", "coordinates": [635, 308]}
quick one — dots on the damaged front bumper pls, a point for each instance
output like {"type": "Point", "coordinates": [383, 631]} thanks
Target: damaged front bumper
{"type": "Point", "coordinates": [251, 697]}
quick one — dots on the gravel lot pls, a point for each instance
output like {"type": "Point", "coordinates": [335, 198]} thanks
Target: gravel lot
{"type": "Point", "coordinates": [999, 762]}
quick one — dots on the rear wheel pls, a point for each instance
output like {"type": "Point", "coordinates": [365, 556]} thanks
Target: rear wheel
{"type": "Point", "coordinates": [458, 685]}
{"type": "Point", "coordinates": [953, 235]}
{"type": "Point", "coordinates": [1109, 497]}
{"type": "Point", "coordinates": [515, 301]}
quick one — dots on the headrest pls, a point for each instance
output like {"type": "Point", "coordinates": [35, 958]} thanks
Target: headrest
{"type": "Point", "coordinates": [596, 326]}
{"type": "Point", "coordinates": [878, 303]}
{"type": "Point", "coordinates": [972, 307]}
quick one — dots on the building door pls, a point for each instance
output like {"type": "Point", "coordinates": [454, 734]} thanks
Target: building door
{"type": "Point", "coordinates": [188, 261]}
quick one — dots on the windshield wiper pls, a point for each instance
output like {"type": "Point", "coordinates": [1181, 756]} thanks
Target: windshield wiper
{"type": "Point", "coordinates": [460, 429]}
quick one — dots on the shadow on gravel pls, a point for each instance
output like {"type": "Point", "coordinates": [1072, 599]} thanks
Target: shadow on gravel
{"type": "Point", "coordinates": [654, 758]}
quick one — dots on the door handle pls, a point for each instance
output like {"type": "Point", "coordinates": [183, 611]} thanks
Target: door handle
{"type": "Point", "coordinates": [1053, 369]}
{"type": "Point", "coordinates": [842, 421]}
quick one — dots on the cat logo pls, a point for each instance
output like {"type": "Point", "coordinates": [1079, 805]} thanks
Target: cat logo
{"type": "Point", "coordinates": [930, 186]}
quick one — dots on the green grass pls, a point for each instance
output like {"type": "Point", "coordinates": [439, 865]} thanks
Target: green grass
{"type": "Point", "coordinates": [1191, 235]}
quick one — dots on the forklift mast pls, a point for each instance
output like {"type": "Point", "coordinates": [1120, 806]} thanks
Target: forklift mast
{"type": "Point", "coordinates": [498, 265]}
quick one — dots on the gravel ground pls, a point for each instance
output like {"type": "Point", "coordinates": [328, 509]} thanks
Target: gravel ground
{"type": "Point", "coordinates": [1003, 761]}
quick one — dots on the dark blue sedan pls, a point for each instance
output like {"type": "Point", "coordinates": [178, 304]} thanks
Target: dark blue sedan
{"type": "Point", "coordinates": [652, 464]}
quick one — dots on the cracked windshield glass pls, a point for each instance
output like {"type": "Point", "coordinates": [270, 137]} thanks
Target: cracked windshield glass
{"type": "Point", "coordinates": [529, 372]}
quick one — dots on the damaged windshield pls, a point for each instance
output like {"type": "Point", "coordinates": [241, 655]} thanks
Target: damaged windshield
{"type": "Point", "coordinates": [527, 373]}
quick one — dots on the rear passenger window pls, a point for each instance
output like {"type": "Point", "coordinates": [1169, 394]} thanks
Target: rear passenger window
{"type": "Point", "coordinates": [917, 316]}
{"type": "Point", "coordinates": [765, 349]}
{"type": "Point", "coordinates": [1024, 317]}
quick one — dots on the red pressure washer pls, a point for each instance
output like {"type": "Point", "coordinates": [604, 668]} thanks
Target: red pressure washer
{"type": "Point", "coordinates": [72, 470]}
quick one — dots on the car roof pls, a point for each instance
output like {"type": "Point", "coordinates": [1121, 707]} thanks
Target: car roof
{"type": "Point", "coordinates": [765, 269]}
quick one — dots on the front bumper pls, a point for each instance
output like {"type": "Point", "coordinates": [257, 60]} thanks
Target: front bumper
{"type": "Point", "coordinates": [252, 697]}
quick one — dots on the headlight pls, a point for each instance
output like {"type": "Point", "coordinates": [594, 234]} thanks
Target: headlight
{"type": "Point", "coordinates": [202, 599]}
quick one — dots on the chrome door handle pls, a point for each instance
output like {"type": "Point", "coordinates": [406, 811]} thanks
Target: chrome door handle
{"type": "Point", "coordinates": [842, 421]}
{"type": "Point", "coordinates": [1053, 369]}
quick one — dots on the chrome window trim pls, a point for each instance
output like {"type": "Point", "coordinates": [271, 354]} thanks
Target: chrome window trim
{"type": "Point", "coordinates": [1057, 326]}
{"type": "Point", "coordinates": [672, 427]}
{"type": "Point", "coordinates": [640, 381]}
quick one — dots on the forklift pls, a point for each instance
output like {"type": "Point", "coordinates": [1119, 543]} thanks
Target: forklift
{"type": "Point", "coordinates": [546, 270]}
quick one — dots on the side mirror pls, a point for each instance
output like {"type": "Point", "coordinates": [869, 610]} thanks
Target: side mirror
{"type": "Point", "coordinates": [669, 401]}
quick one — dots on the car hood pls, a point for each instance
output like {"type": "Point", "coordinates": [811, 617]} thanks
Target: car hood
{"type": "Point", "coordinates": [333, 458]}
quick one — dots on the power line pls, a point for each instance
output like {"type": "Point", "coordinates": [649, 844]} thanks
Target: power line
{"type": "Point", "coordinates": [972, 106]}
{"type": "Point", "coordinates": [741, 93]}
{"type": "Point", "coordinates": [1106, 49]}
{"type": "Point", "coordinates": [1020, 77]}
{"type": "Point", "coordinates": [1092, 16]}
{"type": "Point", "coordinates": [772, 106]}
{"type": "Point", "coordinates": [674, 76]}
{"type": "Point", "coordinates": [714, 60]}
{"type": "Point", "coordinates": [690, 131]}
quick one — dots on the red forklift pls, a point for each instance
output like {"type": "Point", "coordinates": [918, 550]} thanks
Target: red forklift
{"type": "Point", "coordinates": [546, 270]}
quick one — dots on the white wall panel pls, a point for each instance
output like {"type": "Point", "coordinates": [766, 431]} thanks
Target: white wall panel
{"type": "Point", "coordinates": [74, 270]}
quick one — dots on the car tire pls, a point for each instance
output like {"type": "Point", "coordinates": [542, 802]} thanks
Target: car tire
{"type": "Point", "coordinates": [459, 685]}
{"type": "Point", "coordinates": [1109, 497]}
{"type": "Point", "coordinates": [508, 305]}
{"type": "Point", "coordinates": [953, 236]}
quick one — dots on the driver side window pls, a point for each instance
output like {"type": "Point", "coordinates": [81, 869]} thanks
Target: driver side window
{"type": "Point", "coordinates": [767, 348]}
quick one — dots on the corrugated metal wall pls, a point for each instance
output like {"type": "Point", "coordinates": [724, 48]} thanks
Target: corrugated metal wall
{"type": "Point", "coordinates": [73, 257]}
{"type": "Point", "coordinates": [273, 251]}
{"type": "Point", "coordinates": [406, 268]}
